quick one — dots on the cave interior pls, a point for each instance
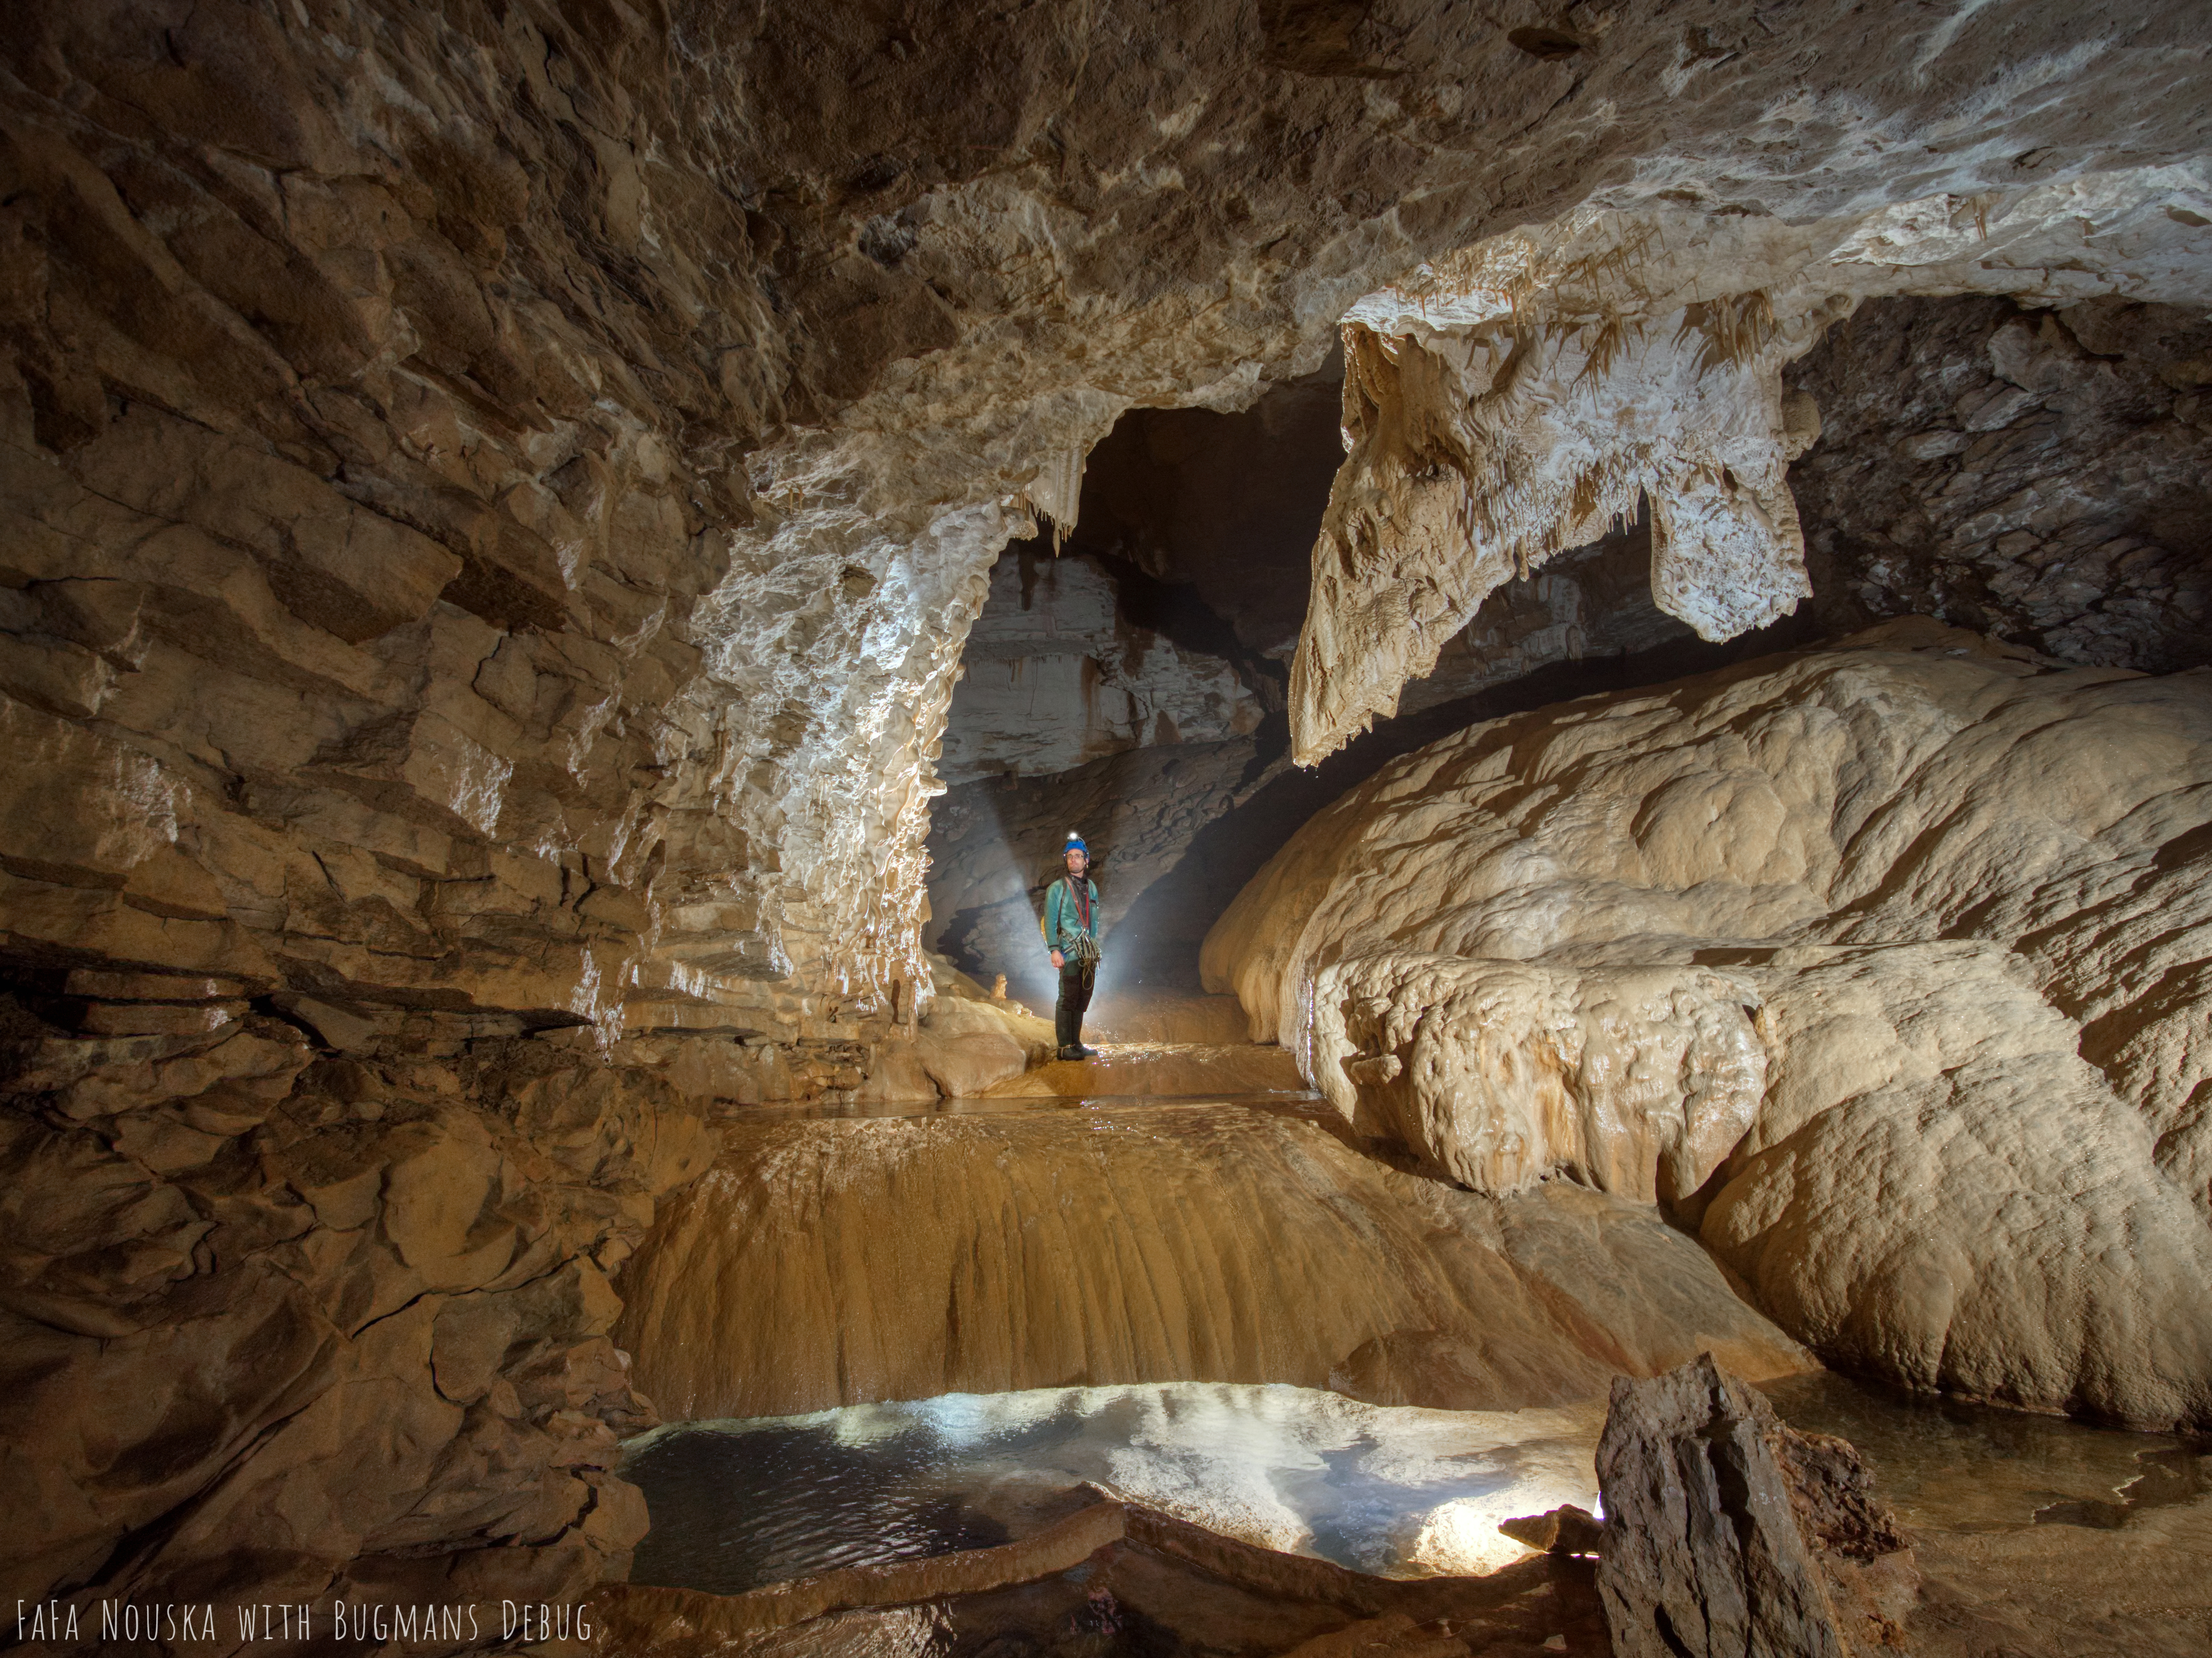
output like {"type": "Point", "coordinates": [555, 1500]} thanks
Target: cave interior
{"type": "Point", "coordinates": [1621, 597]}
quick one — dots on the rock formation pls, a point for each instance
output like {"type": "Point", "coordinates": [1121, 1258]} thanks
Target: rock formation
{"type": "Point", "coordinates": [494, 498]}
{"type": "Point", "coordinates": [1636, 1081]}
{"type": "Point", "coordinates": [1053, 676]}
{"type": "Point", "coordinates": [1112, 1572]}
{"type": "Point", "coordinates": [2038, 475]}
{"type": "Point", "coordinates": [1516, 399]}
{"type": "Point", "coordinates": [303, 1325]}
{"type": "Point", "coordinates": [1962, 889]}
{"type": "Point", "coordinates": [1166, 1243]}
{"type": "Point", "coordinates": [1727, 1533]}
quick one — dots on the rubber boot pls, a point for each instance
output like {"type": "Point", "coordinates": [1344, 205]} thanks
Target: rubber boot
{"type": "Point", "coordinates": [1067, 1023]}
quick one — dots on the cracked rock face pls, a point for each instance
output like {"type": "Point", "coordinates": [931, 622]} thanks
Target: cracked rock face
{"type": "Point", "coordinates": [2037, 474]}
{"type": "Point", "coordinates": [1727, 1531]}
{"type": "Point", "coordinates": [1964, 887]}
{"type": "Point", "coordinates": [316, 1326]}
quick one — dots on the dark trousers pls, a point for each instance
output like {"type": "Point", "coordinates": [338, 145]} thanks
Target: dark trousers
{"type": "Point", "coordinates": [1076, 980]}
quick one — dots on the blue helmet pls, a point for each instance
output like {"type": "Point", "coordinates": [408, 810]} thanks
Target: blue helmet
{"type": "Point", "coordinates": [1075, 844]}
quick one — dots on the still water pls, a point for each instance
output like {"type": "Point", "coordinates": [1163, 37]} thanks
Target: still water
{"type": "Point", "coordinates": [1394, 1491]}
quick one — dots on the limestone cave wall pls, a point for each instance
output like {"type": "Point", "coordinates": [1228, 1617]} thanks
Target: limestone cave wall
{"type": "Point", "coordinates": [493, 499]}
{"type": "Point", "coordinates": [2038, 475]}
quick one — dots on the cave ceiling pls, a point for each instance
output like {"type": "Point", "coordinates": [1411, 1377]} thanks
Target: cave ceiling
{"type": "Point", "coordinates": [575, 440]}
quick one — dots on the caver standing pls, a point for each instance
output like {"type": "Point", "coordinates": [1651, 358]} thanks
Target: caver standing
{"type": "Point", "coordinates": [1071, 910]}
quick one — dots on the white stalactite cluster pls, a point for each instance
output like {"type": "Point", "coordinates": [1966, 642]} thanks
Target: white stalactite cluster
{"type": "Point", "coordinates": [1509, 402]}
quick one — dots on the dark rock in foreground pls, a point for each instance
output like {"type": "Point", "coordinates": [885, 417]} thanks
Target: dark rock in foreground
{"type": "Point", "coordinates": [1727, 1532]}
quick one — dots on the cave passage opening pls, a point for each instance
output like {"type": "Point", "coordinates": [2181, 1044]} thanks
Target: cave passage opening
{"type": "Point", "coordinates": [1130, 683]}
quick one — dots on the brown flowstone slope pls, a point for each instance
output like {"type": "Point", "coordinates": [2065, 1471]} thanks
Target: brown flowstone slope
{"type": "Point", "coordinates": [835, 1262]}
{"type": "Point", "coordinates": [1949, 898]}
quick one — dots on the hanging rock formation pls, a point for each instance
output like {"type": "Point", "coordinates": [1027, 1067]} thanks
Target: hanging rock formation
{"type": "Point", "coordinates": [1516, 399]}
{"type": "Point", "coordinates": [1963, 888]}
{"type": "Point", "coordinates": [493, 497]}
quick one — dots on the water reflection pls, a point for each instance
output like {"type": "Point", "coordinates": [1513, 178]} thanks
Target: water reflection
{"type": "Point", "coordinates": [1394, 1491]}
{"type": "Point", "coordinates": [1945, 1466]}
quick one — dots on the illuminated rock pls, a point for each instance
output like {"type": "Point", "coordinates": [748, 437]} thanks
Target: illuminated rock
{"type": "Point", "coordinates": [1513, 400]}
{"type": "Point", "coordinates": [1147, 1243]}
{"type": "Point", "coordinates": [1635, 1082]}
{"type": "Point", "coordinates": [1964, 889]}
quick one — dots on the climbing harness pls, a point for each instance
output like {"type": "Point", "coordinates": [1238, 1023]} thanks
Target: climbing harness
{"type": "Point", "coordinates": [1080, 942]}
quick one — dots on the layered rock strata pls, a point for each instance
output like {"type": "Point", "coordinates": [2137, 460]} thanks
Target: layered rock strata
{"type": "Point", "coordinates": [553, 475]}
{"type": "Point", "coordinates": [1053, 675]}
{"type": "Point", "coordinates": [1949, 895]}
{"type": "Point", "coordinates": [294, 1324]}
{"type": "Point", "coordinates": [1147, 1244]}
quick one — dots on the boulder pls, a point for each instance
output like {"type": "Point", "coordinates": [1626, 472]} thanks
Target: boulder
{"type": "Point", "coordinates": [967, 1045]}
{"type": "Point", "coordinates": [1879, 965]}
{"type": "Point", "coordinates": [1728, 1535]}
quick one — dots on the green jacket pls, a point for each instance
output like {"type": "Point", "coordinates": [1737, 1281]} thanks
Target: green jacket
{"type": "Point", "coordinates": [1063, 914]}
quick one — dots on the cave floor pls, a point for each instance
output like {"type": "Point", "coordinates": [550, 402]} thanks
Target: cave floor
{"type": "Point", "coordinates": [2037, 1537]}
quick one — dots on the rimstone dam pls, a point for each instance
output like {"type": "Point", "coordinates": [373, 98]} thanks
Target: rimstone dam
{"type": "Point", "coordinates": [1619, 594]}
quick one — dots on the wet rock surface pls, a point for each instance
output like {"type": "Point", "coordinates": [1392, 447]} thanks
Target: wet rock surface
{"type": "Point", "coordinates": [1118, 1575]}
{"type": "Point", "coordinates": [494, 498]}
{"type": "Point", "coordinates": [2057, 1591]}
{"type": "Point", "coordinates": [1959, 884]}
{"type": "Point", "coordinates": [1147, 1243]}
